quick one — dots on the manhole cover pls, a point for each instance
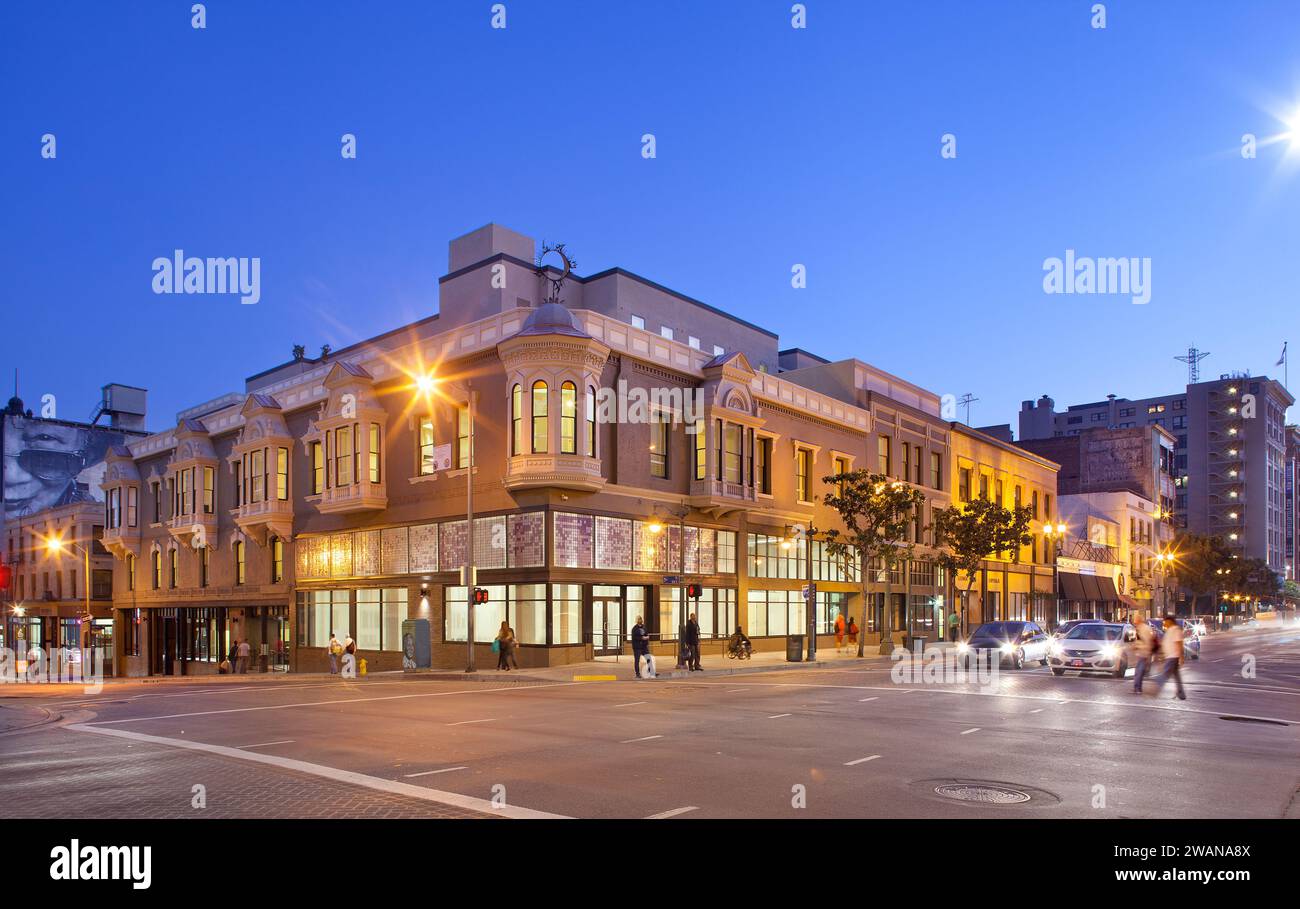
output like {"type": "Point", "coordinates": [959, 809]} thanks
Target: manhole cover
{"type": "Point", "coordinates": [990, 795]}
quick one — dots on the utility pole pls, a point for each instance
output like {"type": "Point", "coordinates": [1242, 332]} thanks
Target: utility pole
{"type": "Point", "coordinates": [469, 535]}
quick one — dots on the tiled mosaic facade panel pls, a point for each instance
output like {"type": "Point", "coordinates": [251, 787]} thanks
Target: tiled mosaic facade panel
{"type": "Point", "coordinates": [366, 553]}
{"type": "Point", "coordinates": [394, 545]}
{"type": "Point", "coordinates": [453, 540]}
{"type": "Point", "coordinates": [341, 555]}
{"type": "Point", "coordinates": [490, 542]}
{"type": "Point", "coordinates": [574, 534]}
{"type": "Point", "coordinates": [614, 543]}
{"type": "Point", "coordinates": [424, 548]}
{"type": "Point", "coordinates": [527, 534]}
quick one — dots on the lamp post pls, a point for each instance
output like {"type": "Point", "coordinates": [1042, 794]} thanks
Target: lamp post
{"type": "Point", "coordinates": [657, 528]}
{"type": "Point", "coordinates": [1054, 535]}
{"type": "Point", "coordinates": [470, 580]}
{"type": "Point", "coordinates": [55, 546]}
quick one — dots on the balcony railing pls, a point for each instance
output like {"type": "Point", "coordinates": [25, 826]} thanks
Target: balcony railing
{"type": "Point", "coordinates": [363, 496]}
{"type": "Point", "coordinates": [563, 471]}
{"type": "Point", "coordinates": [269, 517]}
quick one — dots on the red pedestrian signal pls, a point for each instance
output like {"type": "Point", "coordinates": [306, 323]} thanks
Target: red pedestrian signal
{"type": "Point", "coordinates": [5, 575]}
{"type": "Point", "coordinates": [694, 591]}
{"type": "Point", "coordinates": [480, 596]}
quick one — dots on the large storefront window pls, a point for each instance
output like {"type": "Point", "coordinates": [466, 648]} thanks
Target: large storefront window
{"type": "Point", "coordinates": [523, 606]}
{"type": "Point", "coordinates": [774, 613]}
{"type": "Point", "coordinates": [829, 568]}
{"type": "Point", "coordinates": [830, 605]}
{"type": "Point", "coordinates": [774, 557]}
{"type": "Point", "coordinates": [566, 607]}
{"type": "Point", "coordinates": [379, 618]}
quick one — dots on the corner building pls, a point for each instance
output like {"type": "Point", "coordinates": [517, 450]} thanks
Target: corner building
{"type": "Point", "coordinates": [623, 443]}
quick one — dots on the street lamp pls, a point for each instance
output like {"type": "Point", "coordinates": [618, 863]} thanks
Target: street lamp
{"type": "Point", "coordinates": [656, 527]}
{"type": "Point", "coordinates": [1055, 536]}
{"type": "Point", "coordinates": [55, 546]}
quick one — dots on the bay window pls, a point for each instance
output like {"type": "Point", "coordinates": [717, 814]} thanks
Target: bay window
{"type": "Point", "coordinates": [539, 417]}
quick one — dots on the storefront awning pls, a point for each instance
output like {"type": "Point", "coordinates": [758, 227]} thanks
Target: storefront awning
{"type": "Point", "coordinates": [1108, 592]}
{"type": "Point", "coordinates": [1072, 587]}
{"type": "Point", "coordinates": [1091, 588]}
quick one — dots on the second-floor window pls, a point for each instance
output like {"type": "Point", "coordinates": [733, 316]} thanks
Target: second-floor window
{"type": "Point", "coordinates": [257, 475]}
{"type": "Point", "coordinates": [539, 417]}
{"type": "Point", "coordinates": [803, 474]}
{"type": "Point", "coordinates": [659, 446]}
{"type": "Point", "coordinates": [282, 474]}
{"type": "Point", "coordinates": [157, 570]}
{"type": "Point", "coordinates": [372, 450]}
{"type": "Point", "coordinates": [517, 445]}
{"type": "Point", "coordinates": [591, 422]}
{"type": "Point", "coordinates": [963, 484]}
{"type": "Point", "coordinates": [277, 560]}
{"type": "Point", "coordinates": [936, 470]}
{"type": "Point", "coordinates": [209, 490]}
{"type": "Point", "coordinates": [317, 468]}
{"type": "Point", "coordinates": [907, 460]}
{"type": "Point", "coordinates": [343, 456]}
{"type": "Point", "coordinates": [763, 453]}
{"type": "Point", "coordinates": [462, 437]}
{"type": "Point", "coordinates": [701, 447]}
{"type": "Point", "coordinates": [173, 567]}
{"type": "Point", "coordinates": [239, 561]}
{"type": "Point", "coordinates": [732, 463]}
{"type": "Point", "coordinates": [157, 503]}
{"type": "Point", "coordinates": [568, 418]}
{"type": "Point", "coordinates": [883, 460]}
{"type": "Point", "coordinates": [427, 446]}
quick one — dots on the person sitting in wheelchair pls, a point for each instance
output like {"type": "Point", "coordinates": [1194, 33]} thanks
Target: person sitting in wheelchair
{"type": "Point", "coordinates": [740, 642]}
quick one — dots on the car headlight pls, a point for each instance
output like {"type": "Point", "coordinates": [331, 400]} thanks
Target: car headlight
{"type": "Point", "coordinates": [962, 647]}
{"type": "Point", "coordinates": [1008, 648]}
{"type": "Point", "coordinates": [1057, 649]}
{"type": "Point", "coordinates": [1109, 652]}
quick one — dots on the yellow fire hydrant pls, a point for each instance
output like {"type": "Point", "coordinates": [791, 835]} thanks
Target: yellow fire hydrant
{"type": "Point", "coordinates": [361, 664]}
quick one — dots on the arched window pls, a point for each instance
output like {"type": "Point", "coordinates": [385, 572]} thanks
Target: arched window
{"type": "Point", "coordinates": [539, 417]}
{"type": "Point", "coordinates": [568, 418]}
{"type": "Point", "coordinates": [517, 420]}
{"type": "Point", "coordinates": [591, 421]}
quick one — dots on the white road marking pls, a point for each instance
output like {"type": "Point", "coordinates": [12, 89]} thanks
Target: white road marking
{"type": "Point", "coordinates": [864, 700]}
{"type": "Point", "coordinates": [972, 729]}
{"type": "Point", "coordinates": [733, 690]}
{"type": "Point", "coordinates": [390, 697]}
{"type": "Point", "coordinates": [644, 738]}
{"type": "Point", "coordinates": [870, 757]}
{"type": "Point", "coordinates": [673, 813]}
{"type": "Point", "coordinates": [779, 715]}
{"type": "Point", "coordinates": [630, 704]}
{"type": "Point", "coordinates": [432, 772]}
{"type": "Point", "coordinates": [268, 744]}
{"type": "Point", "coordinates": [393, 787]}
{"type": "Point", "coordinates": [468, 722]}
{"type": "Point", "coordinates": [1037, 710]}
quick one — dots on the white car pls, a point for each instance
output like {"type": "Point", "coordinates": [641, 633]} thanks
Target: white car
{"type": "Point", "coordinates": [1094, 647]}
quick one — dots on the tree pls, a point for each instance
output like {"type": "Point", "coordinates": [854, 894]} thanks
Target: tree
{"type": "Point", "coordinates": [875, 510]}
{"type": "Point", "coordinates": [978, 530]}
{"type": "Point", "coordinates": [1202, 564]}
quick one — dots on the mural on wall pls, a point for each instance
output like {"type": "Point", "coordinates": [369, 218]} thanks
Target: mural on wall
{"type": "Point", "coordinates": [49, 463]}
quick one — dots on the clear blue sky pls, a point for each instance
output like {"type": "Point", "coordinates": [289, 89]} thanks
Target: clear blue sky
{"type": "Point", "coordinates": [775, 146]}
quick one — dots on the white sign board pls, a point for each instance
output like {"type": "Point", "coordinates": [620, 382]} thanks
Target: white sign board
{"type": "Point", "coordinates": [442, 457]}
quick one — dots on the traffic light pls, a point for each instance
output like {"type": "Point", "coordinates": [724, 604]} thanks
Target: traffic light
{"type": "Point", "coordinates": [694, 591]}
{"type": "Point", "coordinates": [5, 575]}
{"type": "Point", "coordinates": [480, 596]}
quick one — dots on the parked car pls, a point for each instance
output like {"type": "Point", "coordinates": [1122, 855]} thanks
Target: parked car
{"type": "Point", "coordinates": [1015, 642]}
{"type": "Point", "coordinates": [1094, 647]}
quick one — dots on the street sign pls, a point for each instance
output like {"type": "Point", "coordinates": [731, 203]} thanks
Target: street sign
{"type": "Point", "coordinates": [672, 579]}
{"type": "Point", "coordinates": [809, 591]}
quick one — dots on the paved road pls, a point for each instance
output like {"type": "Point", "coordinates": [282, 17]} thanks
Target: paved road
{"type": "Point", "coordinates": [845, 741]}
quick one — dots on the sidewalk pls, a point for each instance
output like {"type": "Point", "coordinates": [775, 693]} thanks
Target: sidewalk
{"type": "Point", "coordinates": [620, 669]}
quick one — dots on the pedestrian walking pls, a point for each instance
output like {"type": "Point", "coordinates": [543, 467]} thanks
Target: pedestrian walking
{"type": "Point", "coordinates": [1171, 652]}
{"type": "Point", "coordinates": [503, 641]}
{"type": "Point", "coordinates": [1145, 648]}
{"type": "Point", "coordinates": [693, 644]}
{"type": "Point", "coordinates": [954, 625]}
{"type": "Point", "coordinates": [233, 656]}
{"type": "Point", "coordinates": [839, 633]}
{"type": "Point", "coordinates": [852, 632]}
{"type": "Point", "coordinates": [335, 651]}
{"type": "Point", "coordinates": [244, 651]}
{"type": "Point", "coordinates": [640, 648]}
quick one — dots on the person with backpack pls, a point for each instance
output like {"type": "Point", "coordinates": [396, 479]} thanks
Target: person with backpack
{"type": "Point", "coordinates": [852, 632]}
{"type": "Point", "coordinates": [335, 651]}
{"type": "Point", "coordinates": [1144, 646]}
{"type": "Point", "coordinates": [504, 639]}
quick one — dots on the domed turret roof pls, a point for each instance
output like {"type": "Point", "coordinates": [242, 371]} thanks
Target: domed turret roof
{"type": "Point", "coordinates": [552, 319]}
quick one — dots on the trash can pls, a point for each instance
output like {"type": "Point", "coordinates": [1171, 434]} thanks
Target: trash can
{"type": "Point", "coordinates": [794, 648]}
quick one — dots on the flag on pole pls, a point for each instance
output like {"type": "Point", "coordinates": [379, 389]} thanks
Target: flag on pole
{"type": "Point", "coordinates": [1282, 359]}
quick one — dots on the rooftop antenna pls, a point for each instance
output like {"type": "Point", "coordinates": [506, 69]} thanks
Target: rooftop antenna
{"type": "Point", "coordinates": [966, 401]}
{"type": "Point", "coordinates": [1193, 360]}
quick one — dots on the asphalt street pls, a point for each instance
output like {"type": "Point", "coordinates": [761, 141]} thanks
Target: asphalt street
{"type": "Point", "coordinates": [844, 741]}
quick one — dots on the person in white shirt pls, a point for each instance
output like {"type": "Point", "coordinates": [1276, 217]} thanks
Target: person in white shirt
{"type": "Point", "coordinates": [1171, 652]}
{"type": "Point", "coordinates": [1144, 647]}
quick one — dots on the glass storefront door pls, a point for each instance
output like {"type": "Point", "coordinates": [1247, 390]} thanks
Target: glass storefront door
{"type": "Point", "coordinates": [606, 620]}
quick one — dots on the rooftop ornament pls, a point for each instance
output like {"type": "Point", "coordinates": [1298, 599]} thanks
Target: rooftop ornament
{"type": "Point", "coordinates": [544, 271]}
